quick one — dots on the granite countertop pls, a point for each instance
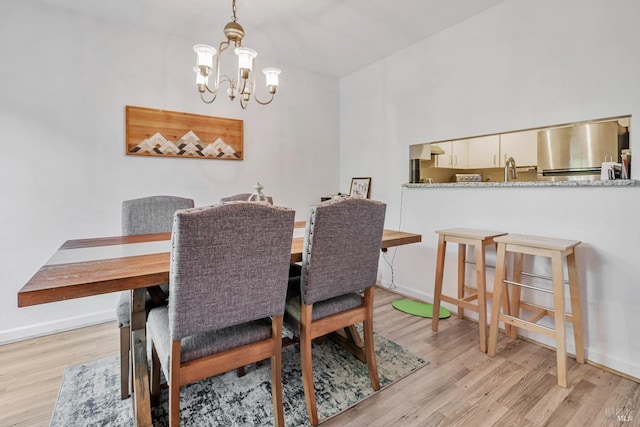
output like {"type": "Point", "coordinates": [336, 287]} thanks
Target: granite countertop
{"type": "Point", "coordinates": [609, 183]}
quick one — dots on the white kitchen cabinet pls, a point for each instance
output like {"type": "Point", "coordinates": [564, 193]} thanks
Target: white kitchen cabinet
{"type": "Point", "coordinates": [455, 154]}
{"type": "Point", "coordinates": [522, 146]}
{"type": "Point", "coordinates": [484, 152]}
{"type": "Point", "coordinates": [460, 154]}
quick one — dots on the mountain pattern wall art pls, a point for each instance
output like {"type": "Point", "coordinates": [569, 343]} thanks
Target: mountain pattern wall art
{"type": "Point", "coordinates": [164, 133]}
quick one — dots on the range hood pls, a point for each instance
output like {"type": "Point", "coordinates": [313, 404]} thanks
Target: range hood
{"type": "Point", "coordinates": [436, 150]}
{"type": "Point", "coordinates": [424, 151]}
{"type": "Point", "coordinates": [416, 154]}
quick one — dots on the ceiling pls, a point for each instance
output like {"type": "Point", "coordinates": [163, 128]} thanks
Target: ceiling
{"type": "Point", "coordinates": [331, 37]}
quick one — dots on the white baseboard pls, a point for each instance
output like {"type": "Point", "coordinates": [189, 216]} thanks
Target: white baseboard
{"type": "Point", "coordinates": [608, 362]}
{"type": "Point", "coordinates": [48, 328]}
{"type": "Point", "coordinates": [405, 291]}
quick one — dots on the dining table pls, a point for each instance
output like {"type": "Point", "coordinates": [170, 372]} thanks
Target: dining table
{"type": "Point", "coordinates": [94, 266]}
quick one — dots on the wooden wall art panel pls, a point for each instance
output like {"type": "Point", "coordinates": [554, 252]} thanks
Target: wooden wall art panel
{"type": "Point", "coordinates": [172, 134]}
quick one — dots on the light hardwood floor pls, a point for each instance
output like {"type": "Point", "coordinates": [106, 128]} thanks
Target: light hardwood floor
{"type": "Point", "coordinates": [460, 386]}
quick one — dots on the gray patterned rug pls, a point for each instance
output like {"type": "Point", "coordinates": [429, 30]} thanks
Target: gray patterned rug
{"type": "Point", "coordinates": [90, 394]}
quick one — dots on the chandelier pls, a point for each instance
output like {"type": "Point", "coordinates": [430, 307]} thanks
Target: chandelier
{"type": "Point", "coordinates": [243, 84]}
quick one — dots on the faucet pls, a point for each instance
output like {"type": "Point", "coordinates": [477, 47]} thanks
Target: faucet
{"type": "Point", "coordinates": [510, 164]}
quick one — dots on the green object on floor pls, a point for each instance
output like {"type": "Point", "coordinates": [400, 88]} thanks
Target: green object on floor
{"type": "Point", "coordinates": [417, 308]}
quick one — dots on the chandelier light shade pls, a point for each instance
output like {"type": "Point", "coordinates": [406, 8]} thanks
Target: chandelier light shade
{"type": "Point", "coordinates": [200, 78]}
{"type": "Point", "coordinates": [271, 75]}
{"type": "Point", "coordinates": [241, 85]}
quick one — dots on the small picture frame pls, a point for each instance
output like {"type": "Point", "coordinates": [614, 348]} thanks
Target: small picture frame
{"type": "Point", "coordinates": [360, 188]}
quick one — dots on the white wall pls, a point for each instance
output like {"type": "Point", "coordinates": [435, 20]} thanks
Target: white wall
{"type": "Point", "coordinates": [64, 82]}
{"type": "Point", "coordinates": [521, 64]}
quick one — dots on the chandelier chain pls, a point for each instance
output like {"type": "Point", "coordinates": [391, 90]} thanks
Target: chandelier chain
{"type": "Point", "coordinates": [234, 17]}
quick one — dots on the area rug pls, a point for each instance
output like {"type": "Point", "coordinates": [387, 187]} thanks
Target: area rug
{"type": "Point", "coordinates": [90, 393]}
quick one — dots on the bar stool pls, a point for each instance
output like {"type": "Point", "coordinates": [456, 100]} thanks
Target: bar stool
{"type": "Point", "coordinates": [479, 239]}
{"type": "Point", "coordinates": [557, 250]}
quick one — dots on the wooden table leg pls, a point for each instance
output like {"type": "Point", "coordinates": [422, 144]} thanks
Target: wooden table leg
{"type": "Point", "coordinates": [353, 334]}
{"type": "Point", "coordinates": [141, 397]}
{"type": "Point", "coordinates": [351, 341]}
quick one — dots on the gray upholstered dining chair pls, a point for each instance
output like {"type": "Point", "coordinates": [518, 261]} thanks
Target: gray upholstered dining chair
{"type": "Point", "coordinates": [339, 259]}
{"type": "Point", "coordinates": [294, 269]}
{"type": "Point", "coordinates": [147, 215]}
{"type": "Point", "coordinates": [227, 292]}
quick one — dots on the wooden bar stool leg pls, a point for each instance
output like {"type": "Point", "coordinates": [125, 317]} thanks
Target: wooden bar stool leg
{"type": "Point", "coordinates": [481, 279]}
{"type": "Point", "coordinates": [506, 292]}
{"type": "Point", "coordinates": [515, 297]}
{"type": "Point", "coordinates": [576, 310]}
{"type": "Point", "coordinates": [560, 326]}
{"type": "Point", "coordinates": [497, 300]}
{"type": "Point", "coordinates": [442, 248]}
{"type": "Point", "coordinates": [506, 306]}
{"type": "Point", "coordinates": [462, 257]}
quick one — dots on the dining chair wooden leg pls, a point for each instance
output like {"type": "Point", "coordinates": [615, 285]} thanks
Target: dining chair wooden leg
{"type": "Point", "coordinates": [369, 346]}
{"type": "Point", "coordinates": [155, 376]}
{"type": "Point", "coordinates": [125, 361]}
{"type": "Point", "coordinates": [307, 368]}
{"type": "Point", "coordinates": [174, 385]}
{"type": "Point", "coordinates": [276, 371]}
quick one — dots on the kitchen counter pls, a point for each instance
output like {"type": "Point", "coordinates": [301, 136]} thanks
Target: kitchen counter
{"type": "Point", "coordinates": [610, 183]}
